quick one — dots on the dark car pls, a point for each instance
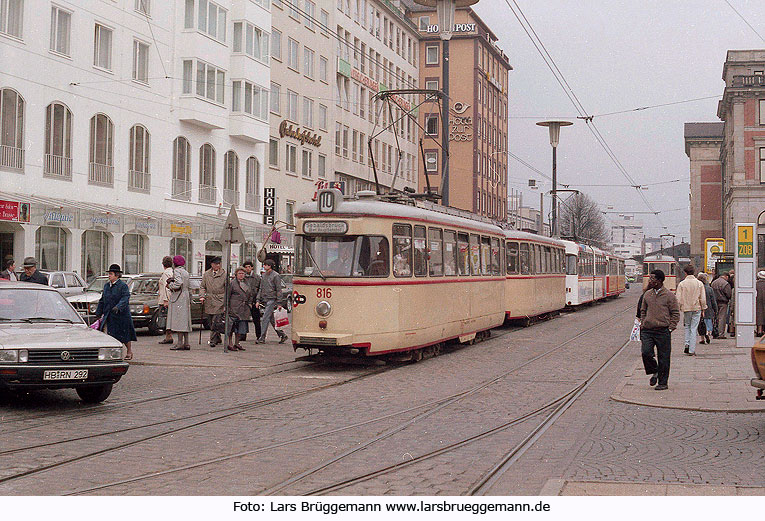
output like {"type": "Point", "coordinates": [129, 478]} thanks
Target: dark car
{"type": "Point", "coordinates": [44, 344]}
{"type": "Point", "coordinates": [144, 306]}
{"type": "Point", "coordinates": [287, 290]}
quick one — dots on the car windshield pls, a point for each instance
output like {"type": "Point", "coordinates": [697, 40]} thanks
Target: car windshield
{"type": "Point", "coordinates": [346, 256]}
{"type": "Point", "coordinates": [146, 286]}
{"type": "Point", "coordinates": [32, 305]}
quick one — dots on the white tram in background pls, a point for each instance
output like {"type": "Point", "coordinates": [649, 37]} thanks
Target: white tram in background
{"type": "Point", "coordinates": [592, 274]}
{"type": "Point", "coordinates": [381, 278]}
{"type": "Point", "coordinates": [665, 263]}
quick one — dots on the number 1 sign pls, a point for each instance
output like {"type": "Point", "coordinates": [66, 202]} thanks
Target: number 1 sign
{"type": "Point", "coordinates": [745, 285]}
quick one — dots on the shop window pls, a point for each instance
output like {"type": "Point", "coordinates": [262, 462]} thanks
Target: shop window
{"type": "Point", "coordinates": [50, 247]}
{"type": "Point", "coordinates": [95, 252]}
{"type": "Point", "coordinates": [133, 253]}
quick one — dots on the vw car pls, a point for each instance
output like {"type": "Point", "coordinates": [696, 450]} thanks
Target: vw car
{"type": "Point", "coordinates": [45, 344]}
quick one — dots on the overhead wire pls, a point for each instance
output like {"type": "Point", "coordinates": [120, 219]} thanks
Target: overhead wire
{"type": "Point", "coordinates": [745, 20]}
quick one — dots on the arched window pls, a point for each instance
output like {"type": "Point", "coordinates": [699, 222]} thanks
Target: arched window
{"type": "Point", "coordinates": [207, 174]}
{"type": "Point", "coordinates": [138, 160]}
{"type": "Point", "coordinates": [58, 141]}
{"type": "Point", "coordinates": [252, 194]}
{"type": "Point", "coordinates": [11, 129]}
{"type": "Point", "coordinates": [50, 247]}
{"type": "Point", "coordinates": [181, 168]}
{"type": "Point", "coordinates": [231, 178]}
{"type": "Point", "coordinates": [133, 252]}
{"type": "Point", "coordinates": [101, 169]}
{"type": "Point", "coordinates": [95, 252]}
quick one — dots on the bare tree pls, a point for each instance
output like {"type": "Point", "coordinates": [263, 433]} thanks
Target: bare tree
{"type": "Point", "coordinates": [581, 219]}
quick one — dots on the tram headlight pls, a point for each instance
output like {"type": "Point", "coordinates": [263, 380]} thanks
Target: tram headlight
{"type": "Point", "coordinates": [323, 308]}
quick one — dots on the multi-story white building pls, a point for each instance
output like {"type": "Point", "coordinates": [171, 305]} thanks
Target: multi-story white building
{"type": "Point", "coordinates": [375, 50]}
{"type": "Point", "coordinates": [129, 127]}
{"type": "Point", "coordinates": [627, 236]}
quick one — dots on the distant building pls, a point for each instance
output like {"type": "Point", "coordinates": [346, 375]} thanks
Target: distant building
{"type": "Point", "coordinates": [627, 235]}
{"type": "Point", "coordinates": [651, 244]}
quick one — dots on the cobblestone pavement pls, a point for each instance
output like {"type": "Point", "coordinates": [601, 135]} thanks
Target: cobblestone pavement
{"type": "Point", "coordinates": [230, 436]}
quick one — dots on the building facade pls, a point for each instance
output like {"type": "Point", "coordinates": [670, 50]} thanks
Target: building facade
{"type": "Point", "coordinates": [478, 92]}
{"type": "Point", "coordinates": [129, 128]}
{"type": "Point", "coordinates": [702, 146]}
{"type": "Point", "coordinates": [627, 235]}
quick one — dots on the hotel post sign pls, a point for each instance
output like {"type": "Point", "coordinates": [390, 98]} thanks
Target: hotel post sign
{"type": "Point", "coordinates": [745, 292]}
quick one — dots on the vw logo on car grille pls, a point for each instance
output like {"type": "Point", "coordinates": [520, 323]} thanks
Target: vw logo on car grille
{"type": "Point", "coordinates": [66, 355]}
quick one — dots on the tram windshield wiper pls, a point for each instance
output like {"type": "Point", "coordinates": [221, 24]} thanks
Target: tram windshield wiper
{"type": "Point", "coordinates": [316, 264]}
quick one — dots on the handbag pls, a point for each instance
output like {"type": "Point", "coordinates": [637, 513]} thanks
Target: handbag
{"type": "Point", "coordinates": [281, 319]}
{"type": "Point", "coordinates": [702, 329]}
{"type": "Point", "coordinates": [635, 334]}
{"type": "Point", "coordinates": [162, 318]}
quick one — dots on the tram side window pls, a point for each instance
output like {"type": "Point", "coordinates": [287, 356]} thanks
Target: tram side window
{"type": "Point", "coordinates": [538, 258]}
{"type": "Point", "coordinates": [512, 258]}
{"type": "Point", "coordinates": [420, 252]}
{"type": "Point", "coordinates": [450, 252]}
{"type": "Point", "coordinates": [485, 255]}
{"type": "Point", "coordinates": [372, 257]}
{"type": "Point", "coordinates": [571, 265]}
{"type": "Point", "coordinates": [495, 256]}
{"type": "Point", "coordinates": [402, 250]}
{"type": "Point", "coordinates": [548, 260]}
{"type": "Point", "coordinates": [525, 259]}
{"type": "Point", "coordinates": [464, 253]}
{"type": "Point", "coordinates": [435, 239]}
{"type": "Point", "coordinates": [475, 255]}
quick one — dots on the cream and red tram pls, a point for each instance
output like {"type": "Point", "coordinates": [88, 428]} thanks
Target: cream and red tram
{"type": "Point", "coordinates": [665, 263]}
{"type": "Point", "coordinates": [375, 277]}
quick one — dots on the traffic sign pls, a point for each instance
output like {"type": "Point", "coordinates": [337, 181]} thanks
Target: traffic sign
{"type": "Point", "coordinates": [232, 230]}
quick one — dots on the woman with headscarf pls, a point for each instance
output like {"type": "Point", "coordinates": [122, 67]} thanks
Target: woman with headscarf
{"type": "Point", "coordinates": [179, 310]}
{"type": "Point", "coordinates": [238, 301]}
{"type": "Point", "coordinates": [760, 303]}
{"type": "Point", "coordinates": [114, 310]}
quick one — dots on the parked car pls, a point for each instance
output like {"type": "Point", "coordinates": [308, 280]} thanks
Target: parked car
{"type": "Point", "coordinates": [44, 344]}
{"type": "Point", "coordinates": [86, 303]}
{"type": "Point", "coordinates": [144, 306]}
{"type": "Point", "coordinates": [287, 290]}
{"type": "Point", "coordinates": [68, 283]}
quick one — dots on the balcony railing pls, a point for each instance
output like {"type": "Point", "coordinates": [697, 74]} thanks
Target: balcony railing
{"type": "Point", "coordinates": [139, 181]}
{"type": "Point", "coordinates": [231, 197]}
{"type": "Point", "coordinates": [756, 80]}
{"type": "Point", "coordinates": [99, 174]}
{"type": "Point", "coordinates": [11, 157]}
{"type": "Point", "coordinates": [252, 202]}
{"type": "Point", "coordinates": [59, 167]}
{"type": "Point", "coordinates": [182, 189]}
{"type": "Point", "coordinates": [206, 194]}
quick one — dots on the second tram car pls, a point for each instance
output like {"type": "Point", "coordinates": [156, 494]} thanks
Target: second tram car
{"type": "Point", "coordinates": [591, 274]}
{"type": "Point", "coordinates": [665, 263]}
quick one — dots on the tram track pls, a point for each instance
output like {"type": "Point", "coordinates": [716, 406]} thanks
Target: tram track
{"type": "Point", "coordinates": [432, 408]}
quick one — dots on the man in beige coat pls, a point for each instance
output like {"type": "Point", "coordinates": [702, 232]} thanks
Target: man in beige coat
{"type": "Point", "coordinates": [692, 299]}
{"type": "Point", "coordinates": [212, 292]}
{"type": "Point", "coordinates": [164, 299]}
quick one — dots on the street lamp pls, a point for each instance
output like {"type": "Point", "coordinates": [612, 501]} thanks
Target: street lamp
{"type": "Point", "coordinates": [445, 10]}
{"type": "Point", "coordinates": [554, 127]}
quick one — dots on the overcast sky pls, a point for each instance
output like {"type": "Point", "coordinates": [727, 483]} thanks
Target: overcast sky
{"type": "Point", "coordinates": [619, 55]}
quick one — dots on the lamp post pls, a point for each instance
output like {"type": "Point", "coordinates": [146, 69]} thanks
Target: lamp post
{"type": "Point", "coordinates": [554, 127]}
{"type": "Point", "coordinates": [445, 10]}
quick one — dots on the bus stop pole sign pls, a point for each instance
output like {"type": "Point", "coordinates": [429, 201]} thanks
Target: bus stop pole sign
{"type": "Point", "coordinates": [745, 285]}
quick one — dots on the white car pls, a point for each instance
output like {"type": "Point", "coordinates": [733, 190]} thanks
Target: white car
{"type": "Point", "coordinates": [44, 344]}
{"type": "Point", "coordinates": [86, 303]}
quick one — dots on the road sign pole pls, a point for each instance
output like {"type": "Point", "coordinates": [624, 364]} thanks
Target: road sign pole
{"type": "Point", "coordinates": [745, 293]}
{"type": "Point", "coordinates": [226, 335]}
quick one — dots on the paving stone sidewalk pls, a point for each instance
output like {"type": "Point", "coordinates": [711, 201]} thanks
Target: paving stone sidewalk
{"type": "Point", "coordinates": [715, 380]}
{"type": "Point", "coordinates": [561, 487]}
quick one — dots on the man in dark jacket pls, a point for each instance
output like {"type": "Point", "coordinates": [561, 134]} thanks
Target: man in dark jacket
{"type": "Point", "coordinates": [270, 297]}
{"type": "Point", "coordinates": [253, 280]}
{"type": "Point", "coordinates": [9, 272]}
{"type": "Point", "coordinates": [723, 295]}
{"type": "Point", "coordinates": [31, 274]}
{"type": "Point", "coordinates": [659, 315]}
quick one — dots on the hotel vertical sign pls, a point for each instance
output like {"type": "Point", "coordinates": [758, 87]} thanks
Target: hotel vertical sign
{"type": "Point", "coordinates": [269, 205]}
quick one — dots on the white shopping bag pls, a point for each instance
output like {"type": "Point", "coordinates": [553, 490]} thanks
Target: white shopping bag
{"type": "Point", "coordinates": [281, 319]}
{"type": "Point", "coordinates": [635, 335]}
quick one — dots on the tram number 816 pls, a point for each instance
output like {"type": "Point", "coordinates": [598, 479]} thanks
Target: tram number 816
{"type": "Point", "coordinates": [323, 292]}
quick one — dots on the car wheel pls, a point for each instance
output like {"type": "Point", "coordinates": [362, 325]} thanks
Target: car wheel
{"type": "Point", "coordinates": [154, 328]}
{"type": "Point", "coordinates": [94, 393]}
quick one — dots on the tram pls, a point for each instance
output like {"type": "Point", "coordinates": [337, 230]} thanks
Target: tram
{"type": "Point", "coordinates": [665, 263]}
{"type": "Point", "coordinates": [592, 274]}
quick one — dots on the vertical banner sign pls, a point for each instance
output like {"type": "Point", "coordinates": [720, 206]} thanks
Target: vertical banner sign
{"type": "Point", "coordinates": [269, 205]}
{"type": "Point", "coordinates": [712, 246]}
{"type": "Point", "coordinates": [745, 285]}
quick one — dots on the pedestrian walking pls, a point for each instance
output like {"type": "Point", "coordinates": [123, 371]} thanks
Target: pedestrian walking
{"type": "Point", "coordinates": [164, 296]}
{"type": "Point", "coordinates": [760, 303]}
{"type": "Point", "coordinates": [723, 294]}
{"type": "Point", "coordinates": [212, 292]}
{"type": "Point", "coordinates": [179, 310]}
{"type": "Point", "coordinates": [710, 313]}
{"type": "Point", "coordinates": [253, 280]}
{"type": "Point", "coordinates": [31, 274]}
{"type": "Point", "coordinates": [114, 310]}
{"type": "Point", "coordinates": [659, 315]}
{"type": "Point", "coordinates": [692, 299]}
{"type": "Point", "coordinates": [238, 302]}
{"type": "Point", "coordinates": [9, 273]}
{"type": "Point", "coordinates": [270, 297]}
{"type": "Point", "coordinates": [731, 318]}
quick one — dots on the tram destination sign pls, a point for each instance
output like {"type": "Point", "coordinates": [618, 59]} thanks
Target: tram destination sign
{"type": "Point", "coordinates": [325, 227]}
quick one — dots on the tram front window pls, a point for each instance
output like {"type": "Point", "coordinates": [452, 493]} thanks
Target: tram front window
{"type": "Point", "coordinates": [346, 256]}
